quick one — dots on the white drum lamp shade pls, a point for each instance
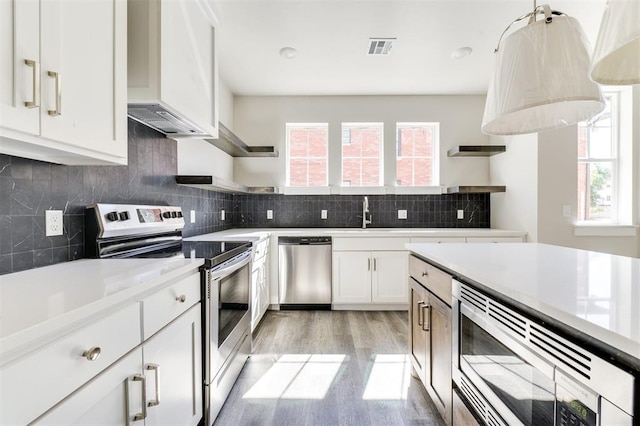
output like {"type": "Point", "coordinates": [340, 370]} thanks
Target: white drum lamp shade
{"type": "Point", "coordinates": [541, 80]}
{"type": "Point", "coordinates": [616, 57]}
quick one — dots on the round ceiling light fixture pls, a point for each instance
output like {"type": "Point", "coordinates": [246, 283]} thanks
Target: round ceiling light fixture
{"type": "Point", "coordinates": [461, 52]}
{"type": "Point", "coordinates": [288, 52]}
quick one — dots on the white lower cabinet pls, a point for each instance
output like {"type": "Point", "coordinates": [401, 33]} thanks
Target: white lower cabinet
{"type": "Point", "coordinates": [369, 277]}
{"type": "Point", "coordinates": [159, 382]}
{"type": "Point", "coordinates": [260, 293]}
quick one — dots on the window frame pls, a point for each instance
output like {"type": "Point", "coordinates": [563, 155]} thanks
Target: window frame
{"type": "Point", "coordinates": [295, 125]}
{"type": "Point", "coordinates": [614, 161]}
{"type": "Point", "coordinates": [350, 125]}
{"type": "Point", "coordinates": [435, 152]}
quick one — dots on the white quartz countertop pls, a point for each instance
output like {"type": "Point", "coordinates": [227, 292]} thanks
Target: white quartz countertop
{"type": "Point", "coordinates": [595, 293]}
{"type": "Point", "coordinates": [250, 233]}
{"type": "Point", "coordinates": [43, 302]}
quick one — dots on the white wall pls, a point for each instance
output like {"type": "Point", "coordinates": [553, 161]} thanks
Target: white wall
{"type": "Point", "coordinates": [260, 120]}
{"type": "Point", "coordinates": [517, 208]}
{"type": "Point", "coordinates": [549, 159]}
{"type": "Point", "coordinates": [198, 157]}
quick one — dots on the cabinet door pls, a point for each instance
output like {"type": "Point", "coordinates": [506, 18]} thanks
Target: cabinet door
{"type": "Point", "coordinates": [189, 56]}
{"type": "Point", "coordinates": [19, 42]}
{"type": "Point", "coordinates": [113, 398]}
{"type": "Point", "coordinates": [389, 277]}
{"type": "Point", "coordinates": [439, 384]}
{"type": "Point", "coordinates": [352, 277]}
{"type": "Point", "coordinates": [83, 74]}
{"type": "Point", "coordinates": [417, 335]}
{"type": "Point", "coordinates": [173, 367]}
{"type": "Point", "coordinates": [256, 295]}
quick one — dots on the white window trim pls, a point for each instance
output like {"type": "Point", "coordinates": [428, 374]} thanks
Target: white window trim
{"type": "Point", "coordinates": [435, 152]}
{"type": "Point", "coordinates": [584, 229]}
{"type": "Point", "coordinates": [305, 190]}
{"type": "Point", "coordinates": [373, 189]}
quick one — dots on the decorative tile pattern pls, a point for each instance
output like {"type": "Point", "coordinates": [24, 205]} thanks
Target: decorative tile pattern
{"type": "Point", "coordinates": [29, 187]}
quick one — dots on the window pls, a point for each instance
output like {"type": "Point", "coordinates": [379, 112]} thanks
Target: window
{"type": "Point", "coordinates": [362, 154]}
{"type": "Point", "coordinates": [307, 145]}
{"type": "Point", "coordinates": [598, 153]}
{"type": "Point", "coordinates": [416, 155]}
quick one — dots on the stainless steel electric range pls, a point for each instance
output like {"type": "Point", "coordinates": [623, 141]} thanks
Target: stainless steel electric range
{"type": "Point", "coordinates": [141, 231]}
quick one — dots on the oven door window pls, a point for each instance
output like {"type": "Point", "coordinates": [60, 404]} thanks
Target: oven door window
{"type": "Point", "coordinates": [527, 392]}
{"type": "Point", "coordinates": [233, 302]}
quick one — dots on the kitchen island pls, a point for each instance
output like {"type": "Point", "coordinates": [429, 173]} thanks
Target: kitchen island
{"type": "Point", "coordinates": [553, 308]}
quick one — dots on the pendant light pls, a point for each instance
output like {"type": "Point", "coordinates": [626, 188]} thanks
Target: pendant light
{"type": "Point", "coordinates": [540, 78]}
{"type": "Point", "coordinates": [616, 57]}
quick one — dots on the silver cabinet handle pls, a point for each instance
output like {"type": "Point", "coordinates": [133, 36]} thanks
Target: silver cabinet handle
{"type": "Point", "coordinates": [58, 77]}
{"type": "Point", "coordinates": [420, 313]}
{"type": "Point", "coordinates": [35, 85]}
{"type": "Point", "coordinates": [375, 264]}
{"type": "Point", "coordinates": [369, 264]}
{"type": "Point", "coordinates": [143, 415]}
{"type": "Point", "coordinates": [156, 372]}
{"type": "Point", "coordinates": [426, 326]}
{"type": "Point", "coordinates": [92, 354]}
{"type": "Point", "coordinates": [182, 298]}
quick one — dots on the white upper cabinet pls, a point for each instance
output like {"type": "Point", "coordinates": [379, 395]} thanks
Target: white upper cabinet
{"type": "Point", "coordinates": [63, 80]}
{"type": "Point", "coordinates": [172, 67]}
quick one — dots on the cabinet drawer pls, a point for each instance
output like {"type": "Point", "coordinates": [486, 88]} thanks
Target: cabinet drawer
{"type": "Point", "coordinates": [370, 244]}
{"type": "Point", "coordinates": [437, 281]}
{"type": "Point", "coordinates": [439, 240]}
{"type": "Point", "coordinates": [31, 385]}
{"type": "Point", "coordinates": [162, 307]}
{"type": "Point", "coordinates": [494, 239]}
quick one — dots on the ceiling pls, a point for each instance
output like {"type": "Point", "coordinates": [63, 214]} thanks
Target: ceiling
{"type": "Point", "coordinates": [332, 40]}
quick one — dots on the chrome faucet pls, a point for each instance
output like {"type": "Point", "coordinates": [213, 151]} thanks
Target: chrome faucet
{"type": "Point", "coordinates": [365, 212]}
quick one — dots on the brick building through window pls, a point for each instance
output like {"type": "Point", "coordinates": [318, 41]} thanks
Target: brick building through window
{"type": "Point", "coordinates": [307, 150]}
{"type": "Point", "coordinates": [362, 154]}
{"type": "Point", "coordinates": [416, 153]}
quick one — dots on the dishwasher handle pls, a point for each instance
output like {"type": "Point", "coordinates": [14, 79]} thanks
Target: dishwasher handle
{"type": "Point", "coordinates": [304, 241]}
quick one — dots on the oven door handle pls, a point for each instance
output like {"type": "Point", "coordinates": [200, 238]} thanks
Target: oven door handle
{"type": "Point", "coordinates": [239, 261]}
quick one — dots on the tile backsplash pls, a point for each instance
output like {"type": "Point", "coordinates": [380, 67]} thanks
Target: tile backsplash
{"type": "Point", "coordinates": [345, 211]}
{"type": "Point", "coordinates": [29, 187]}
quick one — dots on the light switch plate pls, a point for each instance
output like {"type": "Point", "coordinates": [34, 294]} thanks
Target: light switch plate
{"type": "Point", "coordinates": [460, 214]}
{"type": "Point", "coordinates": [269, 214]}
{"type": "Point", "coordinates": [193, 216]}
{"type": "Point", "coordinates": [221, 214]}
{"type": "Point", "coordinates": [323, 214]}
{"type": "Point", "coordinates": [402, 214]}
{"type": "Point", "coordinates": [53, 223]}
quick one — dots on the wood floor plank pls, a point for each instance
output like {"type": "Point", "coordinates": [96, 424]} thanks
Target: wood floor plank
{"type": "Point", "coordinates": [318, 368]}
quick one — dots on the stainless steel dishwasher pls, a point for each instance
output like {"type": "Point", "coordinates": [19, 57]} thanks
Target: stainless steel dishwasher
{"type": "Point", "coordinates": [304, 272]}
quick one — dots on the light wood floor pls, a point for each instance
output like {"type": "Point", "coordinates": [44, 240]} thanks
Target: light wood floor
{"type": "Point", "coordinates": [329, 368]}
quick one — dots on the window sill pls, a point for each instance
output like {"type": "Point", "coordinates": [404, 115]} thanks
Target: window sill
{"type": "Point", "coordinates": [612, 230]}
{"type": "Point", "coordinates": [302, 190]}
{"type": "Point", "coordinates": [362, 190]}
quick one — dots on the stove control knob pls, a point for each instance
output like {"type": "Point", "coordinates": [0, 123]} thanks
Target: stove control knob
{"type": "Point", "coordinates": [124, 216]}
{"type": "Point", "coordinates": [112, 216]}
{"type": "Point", "coordinates": [179, 214]}
{"type": "Point", "coordinates": [166, 215]}
{"type": "Point", "coordinates": [174, 214]}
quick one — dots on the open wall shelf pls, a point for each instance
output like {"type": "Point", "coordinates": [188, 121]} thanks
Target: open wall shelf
{"type": "Point", "coordinates": [476, 150]}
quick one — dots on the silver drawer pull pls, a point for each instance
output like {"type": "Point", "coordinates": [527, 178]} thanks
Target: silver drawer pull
{"type": "Point", "coordinates": [182, 298]}
{"type": "Point", "coordinates": [156, 371]}
{"type": "Point", "coordinates": [425, 274]}
{"type": "Point", "coordinates": [92, 354]}
{"type": "Point", "coordinates": [426, 322]}
{"type": "Point", "coordinates": [420, 313]}
{"type": "Point", "coordinates": [143, 415]}
{"type": "Point", "coordinates": [58, 77]}
{"type": "Point", "coordinates": [35, 85]}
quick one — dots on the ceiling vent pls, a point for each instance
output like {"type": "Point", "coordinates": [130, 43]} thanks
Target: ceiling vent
{"type": "Point", "coordinates": [380, 46]}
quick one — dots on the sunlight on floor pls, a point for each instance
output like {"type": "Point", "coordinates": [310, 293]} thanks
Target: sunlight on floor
{"type": "Point", "coordinates": [389, 377]}
{"type": "Point", "coordinates": [298, 376]}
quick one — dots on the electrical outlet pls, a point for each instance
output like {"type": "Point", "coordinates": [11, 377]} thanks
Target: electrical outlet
{"type": "Point", "coordinates": [323, 214]}
{"type": "Point", "coordinates": [53, 222]}
{"type": "Point", "coordinates": [566, 210]}
{"type": "Point", "coordinates": [269, 214]}
{"type": "Point", "coordinates": [402, 214]}
{"type": "Point", "coordinates": [221, 214]}
{"type": "Point", "coordinates": [460, 214]}
{"type": "Point", "coordinates": [193, 216]}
